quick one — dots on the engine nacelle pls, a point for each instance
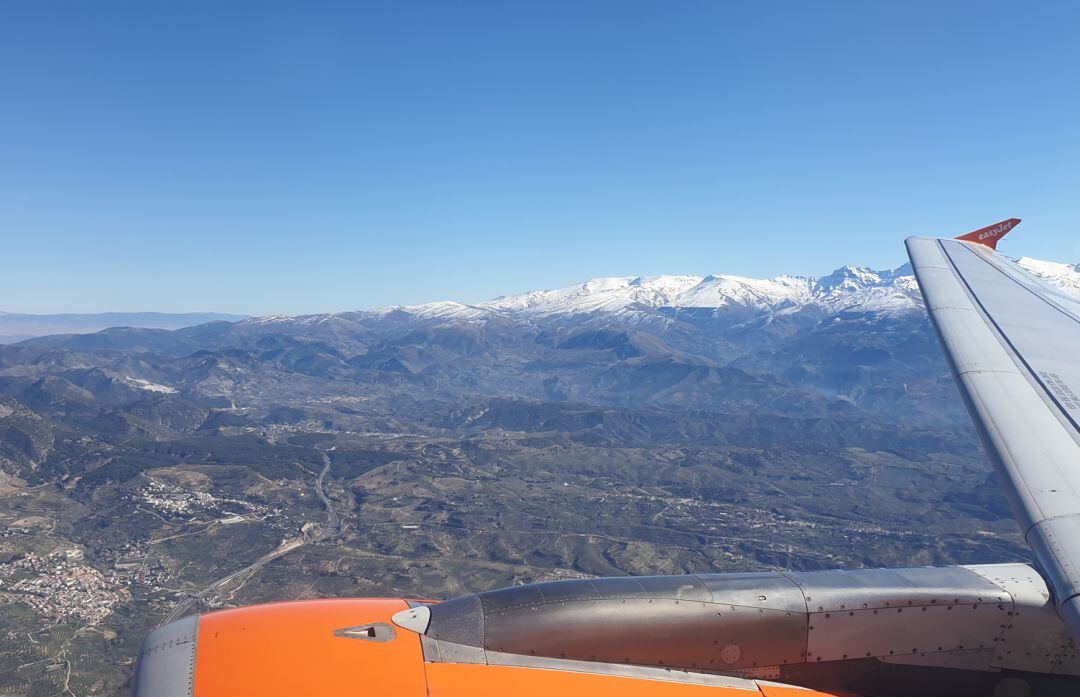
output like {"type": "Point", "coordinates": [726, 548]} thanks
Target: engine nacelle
{"type": "Point", "coordinates": [956, 631]}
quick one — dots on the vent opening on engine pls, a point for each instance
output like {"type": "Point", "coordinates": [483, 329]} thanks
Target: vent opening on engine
{"type": "Point", "coordinates": [379, 631]}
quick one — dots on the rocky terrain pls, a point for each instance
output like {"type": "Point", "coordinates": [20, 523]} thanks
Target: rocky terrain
{"type": "Point", "coordinates": [660, 425]}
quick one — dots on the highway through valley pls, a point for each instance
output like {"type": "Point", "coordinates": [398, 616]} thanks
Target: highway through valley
{"type": "Point", "coordinates": [333, 522]}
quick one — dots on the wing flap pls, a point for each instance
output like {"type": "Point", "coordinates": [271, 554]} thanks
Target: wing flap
{"type": "Point", "coordinates": [1012, 343]}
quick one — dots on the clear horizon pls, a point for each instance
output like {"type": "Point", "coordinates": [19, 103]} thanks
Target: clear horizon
{"type": "Point", "coordinates": [451, 299]}
{"type": "Point", "coordinates": [271, 158]}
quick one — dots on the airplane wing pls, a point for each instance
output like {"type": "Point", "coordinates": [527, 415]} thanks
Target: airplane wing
{"type": "Point", "coordinates": [1013, 343]}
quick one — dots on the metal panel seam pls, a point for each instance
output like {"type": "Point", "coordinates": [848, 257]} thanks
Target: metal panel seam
{"type": "Point", "coordinates": [194, 653]}
{"type": "Point", "coordinates": [806, 633]}
{"type": "Point", "coordinates": [1010, 348]}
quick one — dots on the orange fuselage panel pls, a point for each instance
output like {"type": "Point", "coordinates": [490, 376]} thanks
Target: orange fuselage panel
{"type": "Point", "coordinates": [290, 649]}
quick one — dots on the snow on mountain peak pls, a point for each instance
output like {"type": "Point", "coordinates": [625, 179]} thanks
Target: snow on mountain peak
{"type": "Point", "coordinates": [597, 295]}
{"type": "Point", "coordinates": [850, 278]}
{"type": "Point", "coordinates": [846, 288]}
{"type": "Point", "coordinates": [1064, 276]}
{"type": "Point", "coordinates": [445, 309]}
{"type": "Point", "coordinates": [849, 288]}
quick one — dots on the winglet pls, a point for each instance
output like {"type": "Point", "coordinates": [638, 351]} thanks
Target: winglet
{"type": "Point", "coordinates": [990, 235]}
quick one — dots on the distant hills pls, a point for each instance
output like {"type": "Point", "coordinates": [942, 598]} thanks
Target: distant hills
{"type": "Point", "coordinates": [626, 298]}
{"type": "Point", "coordinates": [15, 327]}
{"type": "Point", "coordinates": [855, 344]}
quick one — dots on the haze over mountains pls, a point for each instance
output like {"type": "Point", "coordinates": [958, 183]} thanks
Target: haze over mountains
{"type": "Point", "coordinates": [15, 326]}
{"type": "Point", "coordinates": [846, 289]}
{"type": "Point", "coordinates": [623, 425]}
{"type": "Point", "coordinates": [855, 341]}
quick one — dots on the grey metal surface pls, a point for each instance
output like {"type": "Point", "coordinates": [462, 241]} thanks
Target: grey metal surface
{"type": "Point", "coordinates": [630, 671]}
{"type": "Point", "coordinates": [871, 629]}
{"type": "Point", "coordinates": [646, 587]}
{"type": "Point", "coordinates": [883, 678]}
{"type": "Point", "coordinates": [449, 652]}
{"type": "Point", "coordinates": [1012, 343]}
{"type": "Point", "coordinates": [862, 589]}
{"type": "Point", "coordinates": [930, 615]}
{"type": "Point", "coordinates": [166, 664]}
{"type": "Point", "coordinates": [415, 619]}
{"type": "Point", "coordinates": [771, 591]}
{"type": "Point", "coordinates": [1034, 639]}
{"type": "Point", "coordinates": [684, 634]}
{"type": "Point", "coordinates": [926, 629]}
{"type": "Point", "coordinates": [715, 621]}
{"type": "Point", "coordinates": [460, 621]}
{"type": "Point", "coordinates": [977, 659]}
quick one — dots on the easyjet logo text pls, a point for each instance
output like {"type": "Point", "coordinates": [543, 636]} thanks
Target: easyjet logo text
{"type": "Point", "coordinates": [997, 230]}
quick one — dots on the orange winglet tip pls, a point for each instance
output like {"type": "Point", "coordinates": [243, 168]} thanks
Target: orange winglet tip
{"type": "Point", "coordinates": [991, 234]}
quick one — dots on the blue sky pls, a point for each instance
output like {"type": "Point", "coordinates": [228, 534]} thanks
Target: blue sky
{"type": "Point", "coordinates": [291, 157]}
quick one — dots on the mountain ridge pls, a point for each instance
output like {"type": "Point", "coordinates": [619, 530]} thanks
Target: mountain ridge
{"type": "Point", "coordinates": [856, 339]}
{"type": "Point", "coordinates": [19, 326]}
{"type": "Point", "coordinates": [848, 288]}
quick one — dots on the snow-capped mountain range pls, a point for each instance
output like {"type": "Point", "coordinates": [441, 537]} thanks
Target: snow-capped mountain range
{"type": "Point", "coordinates": [846, 289]}
{"type": "Point", "coordinates": [855, 339]}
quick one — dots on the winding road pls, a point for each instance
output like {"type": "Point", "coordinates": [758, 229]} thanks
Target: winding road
{"type": "Point", "coordinates": [332, 519]}
{"type": "Point", "coordinates": [333, 522]}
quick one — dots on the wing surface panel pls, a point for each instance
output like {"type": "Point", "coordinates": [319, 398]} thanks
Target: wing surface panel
{"type": "Point", "coordinates": [1013, 343]}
